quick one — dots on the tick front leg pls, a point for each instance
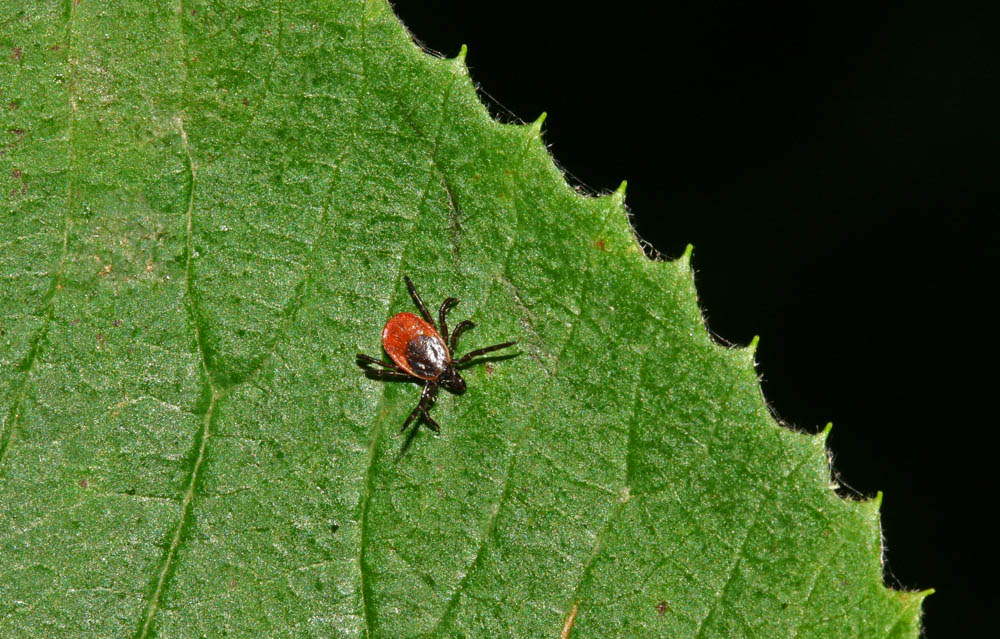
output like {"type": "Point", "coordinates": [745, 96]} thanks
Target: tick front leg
{"type": "Point", "coordinates": [483, 351]}
{"type": "Point", "coordinates": [420, 302]}
{"type": "Point", "coordinates": [442, 312]}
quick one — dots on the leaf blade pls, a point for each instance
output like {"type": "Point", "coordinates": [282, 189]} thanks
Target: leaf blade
{"type": "Point", "coordinates": [190, 449]}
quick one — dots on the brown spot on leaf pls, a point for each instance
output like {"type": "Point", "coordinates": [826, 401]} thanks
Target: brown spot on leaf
{"type": "Point", "coordinates": [104, 271]}
{"type": "Point", "coordinates": [16, 53]}
{"type": "Point", "coordinates": [489, 368]}
{"type": "Point", "coordinates": [12, 106]}
{"type": "Point", "coordinates": [246, 102]}
{"type": "Point", "coordinates": [662, 608]}
{"type": "Point", "coordinates": [83, 483]}
{"type": "Point", "coordinates": [232, 583]}
{"type": "Point", "coordinates": [16, 174]}
{"type": "Point", "coordinates": [568, 624]}
{"type": "Point", "coordinates": [17, 132]}
{"type": "Point", "coordinates": [600, 244]}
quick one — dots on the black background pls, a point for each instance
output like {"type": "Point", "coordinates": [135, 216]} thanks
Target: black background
{"type": "Point", "coordinates": [834, 167]}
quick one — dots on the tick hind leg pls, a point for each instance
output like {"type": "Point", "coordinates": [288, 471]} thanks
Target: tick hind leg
{"type": "Point", "coordinates": [422, 408]}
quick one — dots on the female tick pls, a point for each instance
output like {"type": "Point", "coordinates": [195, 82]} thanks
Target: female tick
{"type": "Point", "coordinates": [419, 351]}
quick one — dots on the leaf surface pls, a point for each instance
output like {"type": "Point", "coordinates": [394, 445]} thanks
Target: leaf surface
{"type": "Point", "coordinates": [207, 209]}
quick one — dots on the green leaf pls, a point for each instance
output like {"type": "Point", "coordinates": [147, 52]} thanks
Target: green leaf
{"type": "Point", "coordinates": [206, 212]}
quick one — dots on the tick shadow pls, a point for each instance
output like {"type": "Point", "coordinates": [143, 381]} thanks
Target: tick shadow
{"type": "Point", "coordinates": [411, 434]}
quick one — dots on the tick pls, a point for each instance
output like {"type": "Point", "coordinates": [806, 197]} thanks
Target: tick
{"type": "Point", "coordinates": [419, 350]}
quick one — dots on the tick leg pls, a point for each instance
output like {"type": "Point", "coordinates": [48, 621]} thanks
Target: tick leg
{"type": "Point", "coordinates": [413, 413]}
{"type": "Point", "coordinates": [426, 401]}
{"type": "Point", "coordinates": [424, 405]}
{"type": "Point", "coordinates": [442, 312]}
{"type": "Point", "coordinates": [389, 375]}
{"type": "Point", "coordinates": [483, 351]}
{"type": "Point", "coordinates": [431, 423]}
{"type": "Point", "coordinates": [420, 302]}
{"type": "Point", "coordinates": [462, 326]}
{"type": "Point", "coordinates": [371, 360]}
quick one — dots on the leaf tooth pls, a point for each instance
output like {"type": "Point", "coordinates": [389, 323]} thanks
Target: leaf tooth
{"type": "Point", "coordinates": [619, 194]}
{"type": "Point", "coordinates": [825, 433]}
{"type": "Point", "coordinates": [914, 597]}
{"type": "Point", "coordinates": [685, 259]}
{"type": "Point", "coordinates": [876, 501]}
{"type": "Point", "coordinates": [535, 128]}
{"type": "Point", "coordinates": [461, 69]}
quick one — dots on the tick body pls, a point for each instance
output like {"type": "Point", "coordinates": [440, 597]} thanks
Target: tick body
{"type": "Point", "coordinates": [416, 347]}
{"type": "Point", "coordinates": [420, 350]}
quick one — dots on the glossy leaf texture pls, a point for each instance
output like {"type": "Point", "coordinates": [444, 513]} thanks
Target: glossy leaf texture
{"type": "Point", "coordinates": [206, 212]}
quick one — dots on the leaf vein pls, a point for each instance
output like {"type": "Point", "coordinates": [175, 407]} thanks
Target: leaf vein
{"type": "Point", "coordinates": [737, 560]}
{"type": "Point", "coordinates": [508, 479]}
{"type": "Point", "coordinates": [205, 432]}
{"type": "Point", "coordinates": [368, 607]}
{"type": "Point", "coordinates": [820, 569]}
{"type": "Point", "coordinates": [13, 418]}
{"type": "Point", "coordinates": [170, 555]}
{"type": "Point", "coordinates": [599, 541]}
